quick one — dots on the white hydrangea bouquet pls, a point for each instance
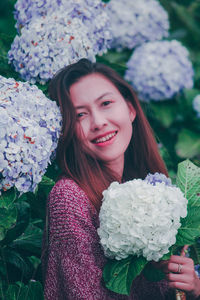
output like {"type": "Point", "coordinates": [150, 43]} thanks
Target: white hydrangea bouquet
{"type": "Point", "coordinates": [145, 220]}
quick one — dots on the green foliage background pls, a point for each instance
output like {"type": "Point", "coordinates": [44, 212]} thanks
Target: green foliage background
{"type": "Point", "coordinates": [177, 130]}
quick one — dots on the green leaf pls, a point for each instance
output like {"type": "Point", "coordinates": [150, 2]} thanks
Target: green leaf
{"type": "Point", "coordinates": [8, 198]}
{"type": "Point", "coordinates": [188, 145]}
{"type": "Point", "coordinates": [46, 185]}
{"type": "Point", "coordinates": [187, 236]}
{"type": "Point", "coordinates": [165, 112]}
{"type": "Point", "coordinates": [8, 217]}
{"type": "Point", "coordinates": [8, 212]}
{"type": "Point", "coordinates": [32, 291]}
{"type": "Point", "coordinates": [16, 262]}
{"type": "Point", "coordinates": [188, 180]}
{"type": "Point", "coordinates": [23, 215]}
{"type": "Point", "coordinates": [30, 241]}
{"type": "Point", "coordinates": [190, 94]}
{"type": "Point", "coordinates": [153, 274]}
{"type": "Point", "coordinates": [118, 275]}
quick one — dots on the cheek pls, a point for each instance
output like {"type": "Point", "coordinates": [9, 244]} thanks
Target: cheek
{"type": "Point", "coordinates": [82, 130]}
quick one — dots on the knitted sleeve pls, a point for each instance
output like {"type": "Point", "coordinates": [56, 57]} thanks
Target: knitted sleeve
{"type": "Point", "coordinates": [73, 260]}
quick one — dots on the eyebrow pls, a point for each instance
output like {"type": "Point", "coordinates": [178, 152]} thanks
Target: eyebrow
{"type": "Point", "coordinates": [99, 98]}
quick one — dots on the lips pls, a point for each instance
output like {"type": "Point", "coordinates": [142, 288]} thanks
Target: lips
{"type": "Point", "coordinates": [104, 138]}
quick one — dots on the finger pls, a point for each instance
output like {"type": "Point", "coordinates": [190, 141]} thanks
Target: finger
{"type": "Point", "coordinates": [180, 260]}
{"type": "Point", "coordinates": [184, 250]}
{"type": "Point", "coordinates": [175, 268]}
{"type": "Point", "coordinates": [174, 277]}
{"type": "Point", "coordinates": [180, 286]}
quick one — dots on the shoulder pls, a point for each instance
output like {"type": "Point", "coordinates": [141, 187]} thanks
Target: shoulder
{"type": "Point", "coordinates": [66, 186]}
{"type": "Point", "coordinates": [69, 210]}
{"type": "Point", "coordinates": [67, 196]}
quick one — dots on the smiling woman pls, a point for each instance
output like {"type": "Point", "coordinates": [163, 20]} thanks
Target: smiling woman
{"type": "Point", "coordinates": [105, 138]}
{"type": "Point", "coordinates": [105, 119]}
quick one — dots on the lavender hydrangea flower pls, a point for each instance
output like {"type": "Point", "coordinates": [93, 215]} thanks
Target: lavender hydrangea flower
{"type": "Point", "coordinates": [47, 44]}
{"type": "Point", "coordinates": [158, 177]}
{"type": "Point", "coordinates": [29, 130]}
{"type": "Point", "coordinates": [159, 70]}
{"type": "Point", "coordinates": [196, 105]}
{"type": "Point", "coordinates": [91, 12]}
{"type": "Point", "coordinates": [136, 22]}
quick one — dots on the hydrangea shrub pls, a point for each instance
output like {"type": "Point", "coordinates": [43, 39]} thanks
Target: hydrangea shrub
{"type": "Point", "coordinates": [159, 70]}
{"type": "Point", "coordinates": [131, 222]}
{"type": "Point", "coordinates": [91, 12]}
{"type": "Point", "coordinates": [196, 105]}
{"type": "Point", "coordinates": [48, 44]}
{"type": "Point", "coordinates": [136, 22]}
{"type": "Point", "coordinates": [29, 129]}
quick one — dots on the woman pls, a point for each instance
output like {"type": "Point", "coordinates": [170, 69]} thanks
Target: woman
{"type": "Point", "coordinates": [105, 137]}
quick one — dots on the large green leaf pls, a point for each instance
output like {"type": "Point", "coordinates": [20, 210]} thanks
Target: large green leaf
{"type": "Point", "coordinates": [118, 275]}
{"type": "Point", "coordinates": [188, 180]}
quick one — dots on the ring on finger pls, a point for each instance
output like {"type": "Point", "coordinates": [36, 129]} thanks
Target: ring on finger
{"type": "Point", "coordinates": [179, 268]}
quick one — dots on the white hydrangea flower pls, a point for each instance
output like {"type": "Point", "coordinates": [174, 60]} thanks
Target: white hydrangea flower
{"type": "Point", "coordinates": [159, 70]}
{"type": "Point", "coordinates": [48, 44]}
{"type": "Point", "coordinates": [134, 22]}
{"type": "Point", "coordinates": [30, 124]}
{"type": "Point", "coordinates": [139, 218]}
{"type": "Point", "coordinates": [196, 105]}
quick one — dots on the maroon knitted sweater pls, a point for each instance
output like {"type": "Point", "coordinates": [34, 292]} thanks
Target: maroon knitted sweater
{"type": "Point", "coordinates": [73, 259]}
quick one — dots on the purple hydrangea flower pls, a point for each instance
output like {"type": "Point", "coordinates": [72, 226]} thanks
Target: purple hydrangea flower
{"type": "Point", "coordinates": [26, 147]}
{"type": "Point", "coordinates": [91, 12]}
{"type": "Point", "coordinates": [158, 177]}
{"type": "Point", "coordinates": [134, 22]}
{"type": "Point", "coordinates": [196, 105]}
{"type": "Point", "coordinates": [48, 44]}
{"type": "Point", "coordinates": [159, 70]}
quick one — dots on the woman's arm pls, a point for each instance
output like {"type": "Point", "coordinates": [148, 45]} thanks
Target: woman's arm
{"type": "Point", "coordinates": [75, 259]}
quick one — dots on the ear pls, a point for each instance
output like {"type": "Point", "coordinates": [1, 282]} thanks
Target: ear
{"type": "Point", "coordinates": [132, 111]}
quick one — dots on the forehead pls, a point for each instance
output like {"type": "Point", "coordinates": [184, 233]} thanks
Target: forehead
{"type": "Point", "coordinates": [91, 87]}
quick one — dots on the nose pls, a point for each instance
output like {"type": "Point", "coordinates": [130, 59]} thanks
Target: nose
{"type": "Point", "coordinates": [98, 120]}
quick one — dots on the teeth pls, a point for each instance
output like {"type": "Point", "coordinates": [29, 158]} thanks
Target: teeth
{"type": "Point", "coordinates": [105, 138]}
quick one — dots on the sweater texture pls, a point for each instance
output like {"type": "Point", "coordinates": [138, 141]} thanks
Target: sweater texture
{"type": "Point", "coordinates": [73, 259]}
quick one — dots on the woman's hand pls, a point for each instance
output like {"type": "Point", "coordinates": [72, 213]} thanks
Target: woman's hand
{"type": "Point", "coordinates": [180, 274]}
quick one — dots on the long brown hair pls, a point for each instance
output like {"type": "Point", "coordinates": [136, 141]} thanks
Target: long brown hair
{"type": "Point", "coordinates": [141, 156]}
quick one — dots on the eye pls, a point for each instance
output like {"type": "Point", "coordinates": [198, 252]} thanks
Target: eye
{"type": "Point", "coordinates": [79, 115]}
{"type": "Point", "coordinates": [106, 103]}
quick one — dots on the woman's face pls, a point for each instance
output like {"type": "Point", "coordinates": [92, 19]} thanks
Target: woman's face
{"type": "Point", "coordinates": [104, 119]}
